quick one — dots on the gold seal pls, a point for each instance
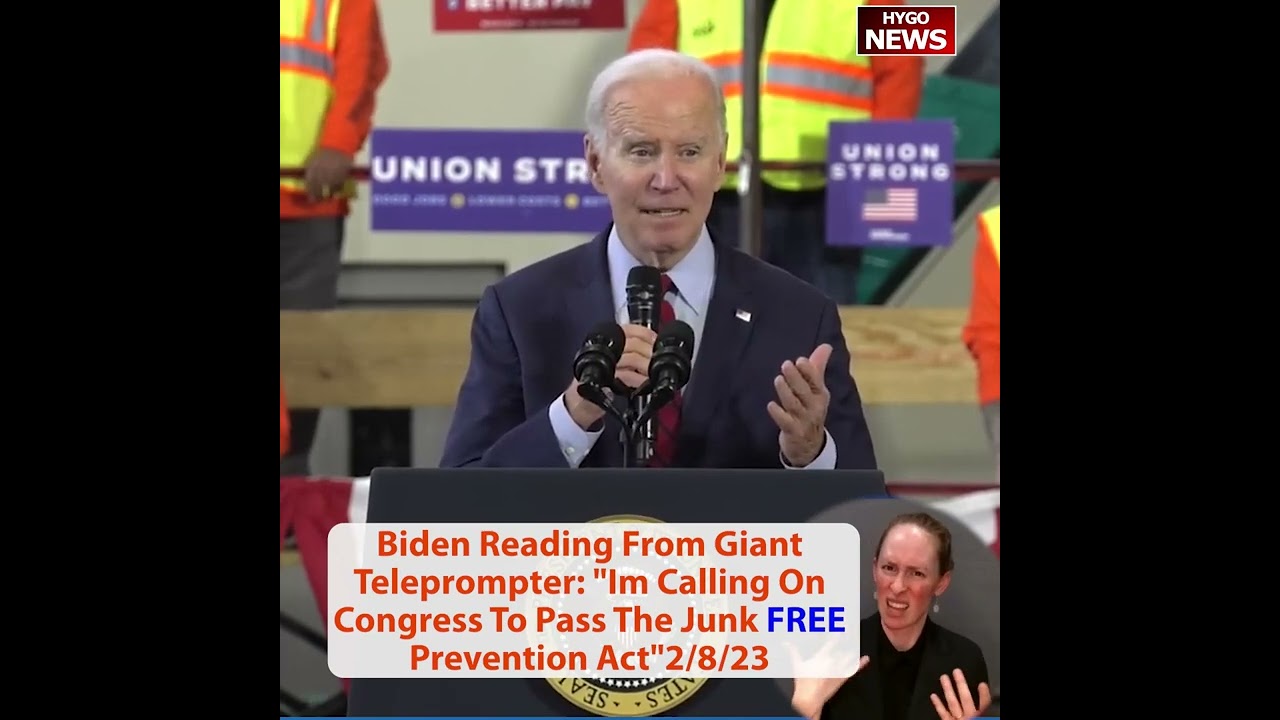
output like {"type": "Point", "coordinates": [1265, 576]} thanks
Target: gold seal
{"type": "Point", "coordinates": [625, 697]}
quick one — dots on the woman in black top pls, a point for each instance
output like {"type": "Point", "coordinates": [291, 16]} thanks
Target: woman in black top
{"type": "Point", "coordinates": [911, 667]}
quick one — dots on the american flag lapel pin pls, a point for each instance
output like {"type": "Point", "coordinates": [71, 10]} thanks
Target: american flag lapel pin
{"type": "Point", "coordinates": [743, 315]}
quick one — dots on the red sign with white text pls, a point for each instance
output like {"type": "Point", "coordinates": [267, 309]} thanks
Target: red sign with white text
{"type": "Point", "coordinates": [472, 15]}
{"type": "Point", "coordinates": [912, 30]}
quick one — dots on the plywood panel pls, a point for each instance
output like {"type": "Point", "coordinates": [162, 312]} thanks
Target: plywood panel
{"type": "Point", "coordinates": [407, 358]}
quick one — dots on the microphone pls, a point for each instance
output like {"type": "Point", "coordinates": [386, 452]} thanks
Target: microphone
{"type": "Point", "coordinates": [669, 368]}
{"type": "Point", "coordinates": [595, 363]}
{"type": "Point", "coordinates": [644, 298]}
{"type": "Point", "coordinates": [644, 290]}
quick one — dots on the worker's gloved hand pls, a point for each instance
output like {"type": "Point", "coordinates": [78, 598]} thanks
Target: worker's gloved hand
{"type": "Point", "coordinates": [326, 171]}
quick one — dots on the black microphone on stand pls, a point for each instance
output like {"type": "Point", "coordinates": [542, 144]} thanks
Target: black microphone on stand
{"type": "Point", "coordinates": [644, 299]}
{"type": "Point", "coordinates": [669, 368]}
{"type": "Point", "coordinates": [594, 365]}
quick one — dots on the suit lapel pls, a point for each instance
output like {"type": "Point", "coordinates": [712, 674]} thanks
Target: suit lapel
{"type": "Point", "coordinates": [724, 338]}
{"type": "Point", "coordinates": [587, 304]}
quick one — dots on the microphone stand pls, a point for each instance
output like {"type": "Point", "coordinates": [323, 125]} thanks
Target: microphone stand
{"type": "Point", "coordinates": [639, 445]}
{"type": "Point", "coordinates": [631, 427]}
{"type": "Point", "coordinates": [628, 436]}
{"type": "Point", "coordinates": [633, 424]}
{"type": "Point", "coordinates": [636, 424]}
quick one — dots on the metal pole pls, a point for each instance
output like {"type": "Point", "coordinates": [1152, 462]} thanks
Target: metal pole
{"type": "Point", "coordinates": [749, 163]}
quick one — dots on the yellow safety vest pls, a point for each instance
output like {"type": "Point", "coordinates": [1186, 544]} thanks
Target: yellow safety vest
{"type": "Point", "coordinates": [810, 75]}
{"type": "Point", "coordinates": [308, 35]}
{"type": "Point", "coordinates": [991, 222]}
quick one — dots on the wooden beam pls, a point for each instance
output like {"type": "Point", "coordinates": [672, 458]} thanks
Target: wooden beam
{"type": "Point", "coordinates": [406, 358]}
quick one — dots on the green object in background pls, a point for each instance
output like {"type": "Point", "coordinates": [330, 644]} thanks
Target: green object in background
{"type": "Point", "coordinates": [975, 109]}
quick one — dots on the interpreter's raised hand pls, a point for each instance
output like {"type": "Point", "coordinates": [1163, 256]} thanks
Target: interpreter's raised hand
{"type": "Point", "coordinates": [960, 704]}
{"type": "Point", "coordinates": [812, 693]}
{"type": "Point", "coordinates": [800, 411]}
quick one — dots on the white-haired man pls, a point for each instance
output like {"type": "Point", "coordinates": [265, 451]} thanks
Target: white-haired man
{"type": "Point", "coordinates": [770, 386]}
{"type": "Point", "coordinates": [810, 75]}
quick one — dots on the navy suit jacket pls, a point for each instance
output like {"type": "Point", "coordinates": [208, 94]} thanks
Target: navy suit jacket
{"type": "Point", "coordinates": [529, 326]}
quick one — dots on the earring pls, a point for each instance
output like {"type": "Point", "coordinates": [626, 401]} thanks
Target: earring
{"type": "Point", "coordinates": [875, 594]}
{"type": "Point", "coordinates": [935, 604]}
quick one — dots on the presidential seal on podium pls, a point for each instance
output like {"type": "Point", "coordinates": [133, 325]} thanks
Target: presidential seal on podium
{"type": "Point", "coordinates": [664, 688]}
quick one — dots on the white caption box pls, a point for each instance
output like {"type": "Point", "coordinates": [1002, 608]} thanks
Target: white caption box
{"type": "Point", "coordinates": [594, 600]}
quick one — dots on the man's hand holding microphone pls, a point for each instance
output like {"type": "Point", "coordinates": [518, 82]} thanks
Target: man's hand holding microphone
{"type": "Point", "coordinates": [632, 372]}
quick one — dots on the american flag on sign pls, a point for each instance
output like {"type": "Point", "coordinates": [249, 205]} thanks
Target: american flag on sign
{"type": "Point", "coordinates": [890, 204]}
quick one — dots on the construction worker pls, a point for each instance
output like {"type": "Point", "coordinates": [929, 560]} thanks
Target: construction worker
{"type": "Point", "coordinates": [810, 76]}
{"type": "Point", "coordinates": [982, 331]}
{"type": "Point", "coordinates": [332, 62]}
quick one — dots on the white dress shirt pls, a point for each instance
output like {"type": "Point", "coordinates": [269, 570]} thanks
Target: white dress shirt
{"type": "Point", "coordinates": [694, 279]}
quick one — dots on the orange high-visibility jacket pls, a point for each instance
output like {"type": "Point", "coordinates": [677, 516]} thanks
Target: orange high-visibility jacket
{"type": "Point", "coordinates": [982, 332]}
{"type": "Point", "coordinates": [359, 66]}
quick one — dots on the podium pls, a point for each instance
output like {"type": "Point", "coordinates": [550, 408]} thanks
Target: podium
{"type": "Point", "coordinates": [584, 495]}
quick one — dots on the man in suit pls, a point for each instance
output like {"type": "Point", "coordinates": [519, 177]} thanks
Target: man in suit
{"type": "Point", "coordinates": [770, 385]}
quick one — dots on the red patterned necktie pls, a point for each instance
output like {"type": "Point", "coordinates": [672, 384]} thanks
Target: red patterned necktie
{"type": "Point", "coordinates": [668, 425]}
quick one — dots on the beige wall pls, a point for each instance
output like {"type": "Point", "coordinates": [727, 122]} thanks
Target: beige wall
{"type": "Point", "coordinates": [498, 80]}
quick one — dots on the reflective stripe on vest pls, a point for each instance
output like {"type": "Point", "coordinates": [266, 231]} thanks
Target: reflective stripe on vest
{"type": "Point", "coordinates": [813, 79]}
{"type": "Point", "coordinates": [991, 223]}
{"type": "Point", "coordinates": [810, 75]}
{"type": "Point", "coordinates": [308, 36]}
{"type": "Point", "coordinates": [299, 58]}
{"type": "Point", "coordinates": [799, 76]}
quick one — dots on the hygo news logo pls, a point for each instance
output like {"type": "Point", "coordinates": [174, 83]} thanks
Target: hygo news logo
{"type": "Point", "coordinates": [913, 30]}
